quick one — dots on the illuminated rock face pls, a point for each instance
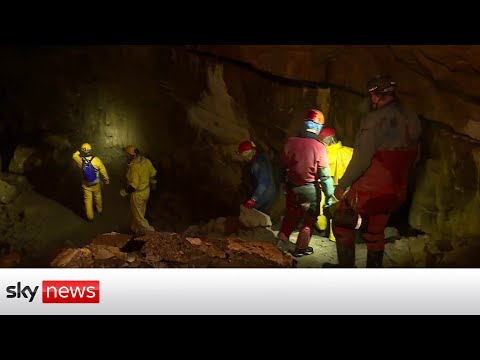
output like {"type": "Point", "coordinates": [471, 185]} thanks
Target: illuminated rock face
{"type": "Point", "coordinates": [188, 111]}
{"type": "Point", "coordinates": [440, 82]}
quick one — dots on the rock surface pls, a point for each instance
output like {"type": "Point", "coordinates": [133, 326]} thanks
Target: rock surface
{"type": "Point", "coordinates": [173, 250]}
{"type": "Point", "coordinates": [440, 82]}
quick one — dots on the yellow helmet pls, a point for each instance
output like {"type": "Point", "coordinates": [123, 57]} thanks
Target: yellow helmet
{"type": "Point", "coordinates": [130, 150]}
{"type": "Point", "coordinates": [86, 149]}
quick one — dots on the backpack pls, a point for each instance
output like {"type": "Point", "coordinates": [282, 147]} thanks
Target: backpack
{"type": "Point", "coordinates": [89, 173]}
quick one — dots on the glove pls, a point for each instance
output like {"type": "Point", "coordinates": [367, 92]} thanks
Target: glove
{"type": "Point", "coordinates": [153, 186]}
{"type": "Point", "coordinates": [250, 203]}
{"type": "Point", "coordinates": [328, 210]}
{"type": "Point", "coordinates": [329, 201]}
{"type": "Point", "coordinates": [106, 182]}
{"type": "Point", "coordinates": [123, 193]}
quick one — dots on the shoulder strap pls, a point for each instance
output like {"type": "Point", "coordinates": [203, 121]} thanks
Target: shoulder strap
{"type": "Point", "coordinates": [84, 159]}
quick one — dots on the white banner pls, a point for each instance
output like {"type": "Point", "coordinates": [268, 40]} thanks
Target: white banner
{"type": "Point", "coordinates": [240, 291]}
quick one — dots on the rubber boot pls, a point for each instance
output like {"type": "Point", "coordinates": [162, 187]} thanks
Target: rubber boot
{"type": "Point", "coordinates": [346, 254]}
{"type": "Point", "coordinates": [331, 237]}
{"type": "Point", "coordinates": [374, 259]}
{"type": "Point", "coordinates": [303, 239]}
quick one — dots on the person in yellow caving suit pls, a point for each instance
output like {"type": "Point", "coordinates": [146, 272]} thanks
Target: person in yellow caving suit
{"type": "Point", "coordinates": [141, 178]}
{"type": "Point", "coordinates": [339, 157]}
{"type": "Point", "coordinates": [92, 186]}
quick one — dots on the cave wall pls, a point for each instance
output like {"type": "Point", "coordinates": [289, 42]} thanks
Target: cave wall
{"type": "Point", "coordinates": [185, 111]}
{"type": "Point", "coordinates": [440, 82]}
{"type": "Point", "coordinates": [446, 201]}
{"type": "Point", "coordinates": [188, 110]}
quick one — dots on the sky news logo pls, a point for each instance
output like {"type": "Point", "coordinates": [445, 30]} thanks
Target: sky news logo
{"type": "Point", "coordinates": [59, 292]}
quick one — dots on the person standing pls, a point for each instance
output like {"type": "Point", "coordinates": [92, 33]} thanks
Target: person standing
{"type": "Point", "coordinates": [91, 167]}
{"type": "Point", "coordinates": [141, 177]}
{"type": "Point", "coordinates": [376, 179]}
{"type": "Point", "coordinates": [307, 173]}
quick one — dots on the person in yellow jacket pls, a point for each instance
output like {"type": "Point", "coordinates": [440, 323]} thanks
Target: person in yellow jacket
{"type": "Point", "coordinates": [339, 157]}
{"type": "Point", "coordinates": [91, 184]}
{"type": "Point", "coordinates": [141, 176]}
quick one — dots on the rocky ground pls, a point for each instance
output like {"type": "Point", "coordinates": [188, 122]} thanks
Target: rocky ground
{"type": "Point", "coordinates": [248, 241]}
{"type": "Point", "coordinates": [160, 250]}
{"type": "Point", "coordinates": [36, 231]}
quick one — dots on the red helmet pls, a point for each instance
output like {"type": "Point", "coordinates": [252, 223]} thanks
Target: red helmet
{"type": "Point", "coordinates": [326, 132]}
{"type": "Point", "coordinates": [316, 116]}
{"type": "Point", "coordinates": [245, 146]}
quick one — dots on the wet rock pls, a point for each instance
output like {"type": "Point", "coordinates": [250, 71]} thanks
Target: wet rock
{"type": "Point", "coordinates": [258, 254]}
{"type": "Point", "coordinates": [103, 252]}
{"type": "Point", "coordinates": [20, 157]}
{"type": "Point", "coordinates": [112, 239]}
{"type": "Point", "coordinates": [74, 258]}
{"type": "Point", "coordinates": [397, 254]}
{"type": "Point", "coordinates": [19, 181]}
{"type": "Point", "coordinates": [434, 74]}
{"type": "Point", "coordinates": [440, 245]}
{"type": "Point", "coordinates": [253, 218]}
{"type": "Point", "coordinates": [173, 250]}
{"type": "Point", "coordinates": [446, 199]}
{"type": "Point", "coordinates": [391, 232]}
{"type": "Point", "coordinates": [258, 234]}
{"type": "Point", "coordinates": [194, 241]}
{"type": "Point", "coordinates": [60, 145]}
{"type": "Point", "coordinates": [419, 250]}
{"type": "Point", "coordinates": [215, 226]}
{"type": "Point", "coordinates": [7, 192]}
{"type": "Point", "coordinates": [216, 113]}
{"type": "Point", "coordinates": [214, 251]}
{"type": "Point", "coordinates": [466, 256]}
{"type": "Point", "coordinates": [192, 230]}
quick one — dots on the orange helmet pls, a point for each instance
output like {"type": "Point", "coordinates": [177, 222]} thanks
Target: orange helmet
{"type": "Point", "coordinates": [316, 116]}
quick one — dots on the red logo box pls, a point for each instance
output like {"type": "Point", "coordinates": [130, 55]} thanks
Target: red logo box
{"type": "Point", "coordinates": [70, 291]}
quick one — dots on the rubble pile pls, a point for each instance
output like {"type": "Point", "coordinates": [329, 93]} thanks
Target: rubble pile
{"type": "Point", "coordinates": [172, 250]}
